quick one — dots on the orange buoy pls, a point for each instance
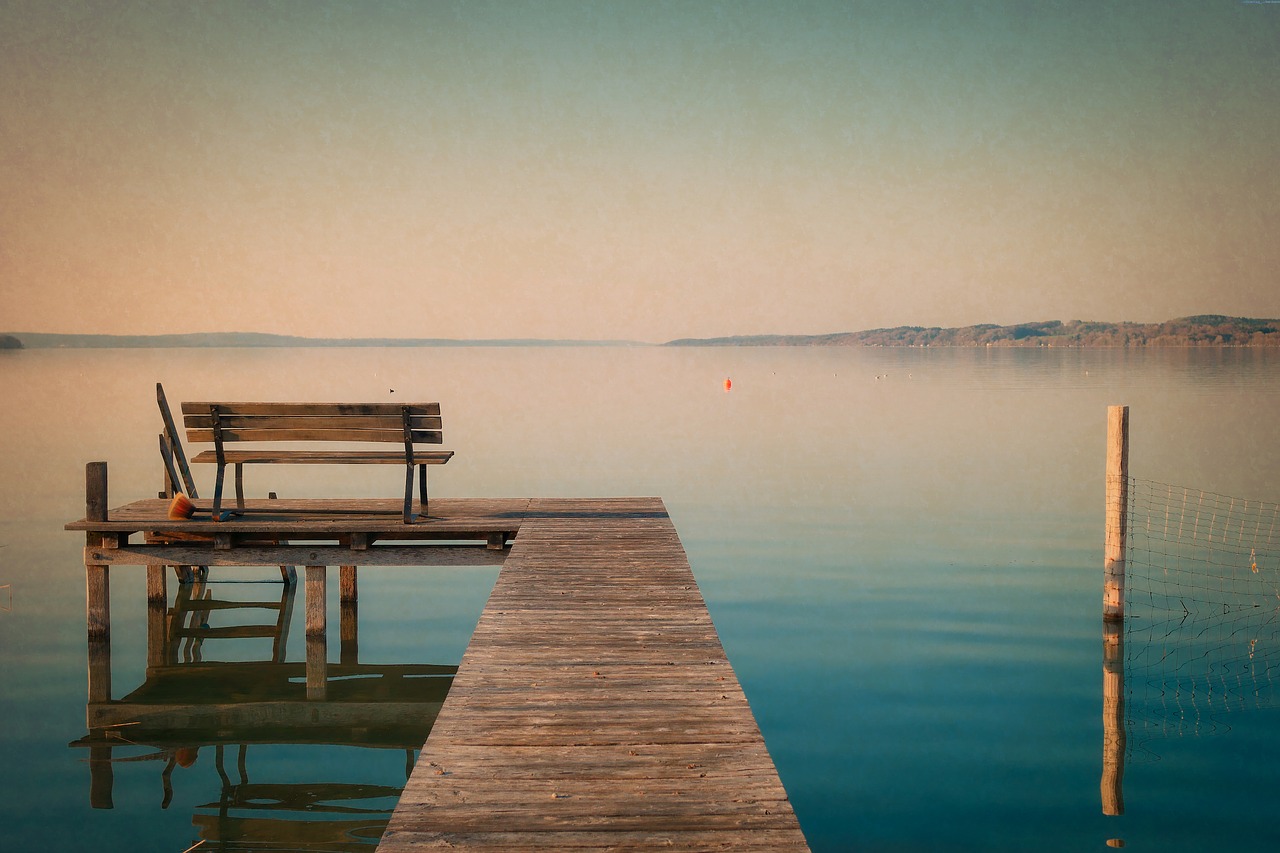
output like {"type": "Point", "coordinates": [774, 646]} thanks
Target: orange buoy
{"type": "Point", "coordinates": [728, 384]}
{"type": "Point", "coordinates": [181, 507]}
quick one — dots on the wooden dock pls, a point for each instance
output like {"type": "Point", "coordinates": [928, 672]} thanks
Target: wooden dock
{"type": "Point", "coordinates": [594, 709]}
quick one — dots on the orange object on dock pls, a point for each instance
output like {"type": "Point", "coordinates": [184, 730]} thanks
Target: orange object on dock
{"type": "Point", "coordinates": [181, 507]}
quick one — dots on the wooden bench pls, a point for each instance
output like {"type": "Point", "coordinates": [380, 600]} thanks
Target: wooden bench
{"type": "Point", "coordinates": [407, 425]}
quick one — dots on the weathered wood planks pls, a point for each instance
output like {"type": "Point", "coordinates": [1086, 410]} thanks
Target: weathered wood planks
{"type": "Point", "coordinates": [321, 518]}
{"type": "Point", "coordinates": [595, 708]}
{"type": "Point", "coordinates": [292, 555]}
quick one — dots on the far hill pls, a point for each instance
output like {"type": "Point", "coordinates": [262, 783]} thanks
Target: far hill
{"type": "Point", "coordinates": [1200, 330]}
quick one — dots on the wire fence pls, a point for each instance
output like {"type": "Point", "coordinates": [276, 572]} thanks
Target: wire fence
{"type": "Point", "coordinates": [1202, 611]}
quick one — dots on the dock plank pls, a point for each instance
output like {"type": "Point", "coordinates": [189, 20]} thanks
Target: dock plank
{"type": "Point", "coordinates": [595, 708]}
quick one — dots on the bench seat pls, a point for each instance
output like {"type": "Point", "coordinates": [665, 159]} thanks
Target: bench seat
{"type": "Point", "coordinates": [324, 457]}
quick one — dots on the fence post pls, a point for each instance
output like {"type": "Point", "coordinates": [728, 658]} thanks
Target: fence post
{"type": "Point", "coordinates": [1113, 736]}
{"type": "Point", "coordinates": [1117, 512]}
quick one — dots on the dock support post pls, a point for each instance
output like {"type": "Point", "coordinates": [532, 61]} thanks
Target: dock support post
{"type": "Point", "coordinates": [157, 590]}
{"type": "Point", "coordinates": [99, 667]}
{"type": "Point", "coordinates": [317, 668]}
{"type": "Point", "coordinates": [157, 616]}
{"type": "Point", "coordinates": [317, 625]}
{"type": "Point", "coordinates": [98, 602]}
{"type": "Point", "coordinates": [98, 628]}
{"type": "Point", "coordinates": [316, 592]}
{"type": "Point", "coordinates": [347, 583]}
{"type": "Point", "coordinates": [101, 778]}
{"type": "Point", "coordinates": [95, 491]}
{"type": "Point", "coordinates": [348, 614]}
{"type": "Point", "coordinates": [1117, 513]}
{"type": "Point", "coordinates": [97, 583]}
{"type": "Point", "coordinates": [97, 578]}
{"type": "Point", "coordinates": [349, 632]}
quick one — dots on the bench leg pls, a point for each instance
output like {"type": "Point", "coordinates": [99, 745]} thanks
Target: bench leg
{"type": "Point", "coordinates": [408, 494]}
{"type": "Point", "coordinates": [217, 492]}
{"type": "Point", "coordinates": [190, 574]}
{"type": "Point", "coordinates": [422, 487]}
{"type": "Point", "coordinates": [281, 643]}
{"type": "Point", "coordinates": [239, 485]}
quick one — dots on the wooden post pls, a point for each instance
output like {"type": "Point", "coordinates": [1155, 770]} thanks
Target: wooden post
{"type": "Point", "coordinates": [99, 669]}
{"type": "Point", "coordinates": [1114, 740]}
{"type": "Point", "coordinates": [97, 578]}
{"type": "Point", "coordinates": [97, 586]}
{"type": "Point", "coordinates": [157, 590]}
{"type": "Point", "coordinates": [157, 633]}
{"type": "Point", "coordinates": [98, 628]}
{"type": "Point", "coordinates": [1117, 512]}
{"type": "Point", "coordinates": [348, 608]}
{"type": "Point", "coordinates": [347, 583]}
{"type": "Point", "coordinates": [317, 668]}
{"type": "Point", "coordinates": [97, 611]}
{"type": "Point", "coordinates": [316, 596]}
{"type": "Point", "coordinates": [349, 632]}
{"type": "Point", "coordinates": [95, 491]}
{"type": "Point", "coordinates": [101, 777]}
{"type": "Point", "coordinates": [317, 623]}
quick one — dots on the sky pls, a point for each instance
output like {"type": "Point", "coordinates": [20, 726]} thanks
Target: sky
{"type": "Point", "coordinates": [634, 170]}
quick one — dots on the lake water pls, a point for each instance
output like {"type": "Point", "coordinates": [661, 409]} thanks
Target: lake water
{"type": "Point", "coordinates": [901, 549]}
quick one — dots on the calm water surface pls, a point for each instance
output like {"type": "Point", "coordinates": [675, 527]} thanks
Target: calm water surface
{"type": "Point", "coordinates": [901, 550]}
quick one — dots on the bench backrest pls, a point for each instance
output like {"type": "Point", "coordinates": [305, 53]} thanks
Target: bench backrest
{"type": "Point", "coordinates": [418, 423]}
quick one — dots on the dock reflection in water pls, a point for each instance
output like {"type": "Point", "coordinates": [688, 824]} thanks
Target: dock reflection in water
{"type": "Point", "coordinates": [188, 704]}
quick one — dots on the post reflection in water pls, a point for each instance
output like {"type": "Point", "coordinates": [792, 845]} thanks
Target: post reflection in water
{"type": "Point", "coordinates": [1113, 724]}
{"type": "Point", "coordinates": [188, 704]}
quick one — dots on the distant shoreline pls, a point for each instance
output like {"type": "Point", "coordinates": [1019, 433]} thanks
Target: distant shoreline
{"type": "Point", "coordinates": [1197, 331]}
{"type": "Point", "coordinates": [1203, 330]}
{"type": "Point", "coordinates": [219, 340]}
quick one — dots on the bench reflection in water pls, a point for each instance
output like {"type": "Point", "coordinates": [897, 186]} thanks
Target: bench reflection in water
{"type": "Point", "coordinates": [191, 702]}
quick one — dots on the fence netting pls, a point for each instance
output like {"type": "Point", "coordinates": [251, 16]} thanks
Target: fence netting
{"type": "Point", "coordinates": [1202, 610]}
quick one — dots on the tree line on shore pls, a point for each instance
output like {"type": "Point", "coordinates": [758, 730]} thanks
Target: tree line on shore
{"type": "Point", "coordinates": [1199, 330]}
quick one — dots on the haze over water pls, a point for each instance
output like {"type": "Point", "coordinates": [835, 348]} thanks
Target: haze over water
{"type": "Point", "coordinates": [640, 171]}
